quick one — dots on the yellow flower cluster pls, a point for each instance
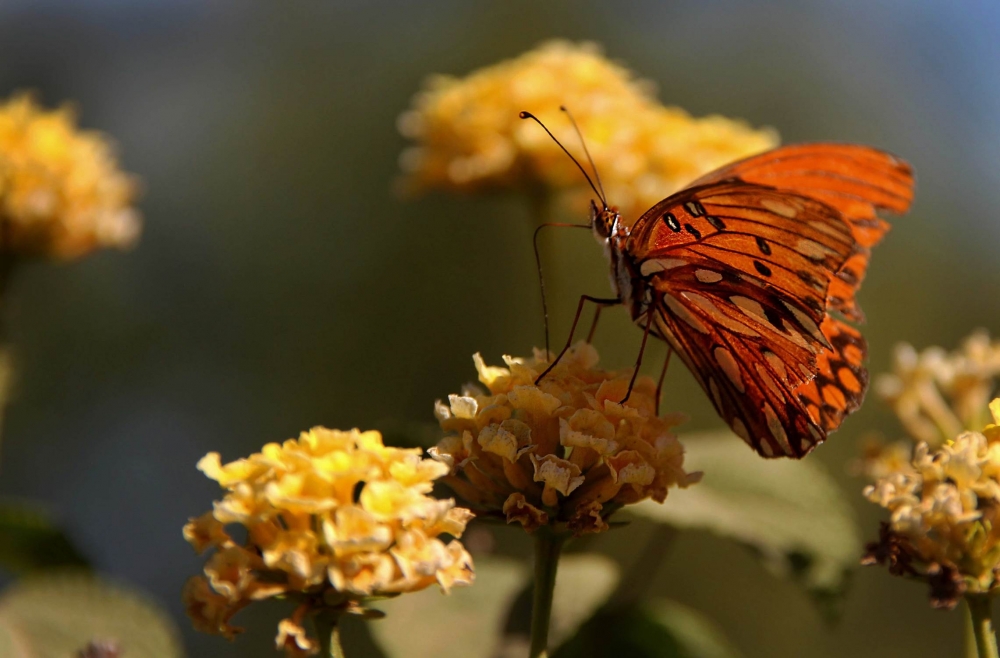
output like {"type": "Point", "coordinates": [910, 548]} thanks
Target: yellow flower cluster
{"type": "Point", "coordinates": [330, 518]}
{"type": "Point", "coordinates": [561, 453]}
{"type": "Point", "coordinates": [469, 137]}
{"type": "Point", "coordinates": [61, 192]}
{"type": "Point", "coordinates": [936, 393]}
{"type": "Point", "coordinates": [945, 523]}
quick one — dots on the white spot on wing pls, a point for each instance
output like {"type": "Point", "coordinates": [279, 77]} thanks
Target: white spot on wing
{"type": "Point", "coordinates": [685, 314]}
{"type": "Point", "coordinates": [779, 208]}
{"type": "Point", "coordinates": [833, 230]}
{"type": "Point", "coordinates": [718, 316]}
{"type": "Point", "coordinates": [751, 308]}
{"type": "Point", "coordinates": [813, 250]}
{"type": "Point", "coordinates": [714, 389]}
{"type": "Point", "coordinates": [729, 366]}
{"type": "Point", "coordinates": [769, 382]}
{"type": "Point", "coordinates": [708, 276]}
{"type": "Point", "coordinates": [807, 323]}
{"type": "Point", "coordinates": [750, 279]}
{"type": "Point", "coordinates": [776, 428]}
{"type": "Point", "coordinates": [776, 364]}
{"type": "Point", "coordinates": [654, 265]}
{"type": "Point", "coordinates": [740, 429]}
{"type": "Point", "coordinates": [795, 336]}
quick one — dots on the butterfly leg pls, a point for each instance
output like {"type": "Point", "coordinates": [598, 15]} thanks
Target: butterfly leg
{"type": "Point", "coordinates": [593, 325]}
{"type": "Point", "coordinates": [642, 349]}
{"type": "Point", "coordinates": [576, 319]}
{"type": "Point", "coordinates": [659, 385]}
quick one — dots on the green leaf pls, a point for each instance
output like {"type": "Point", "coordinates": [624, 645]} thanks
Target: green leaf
{"type": "Point", "coordinates": [55, 615]}
{"type": "Point", "coordinates": [463, 624]}
{"type": "Point", "coordinates": [659, 629]}
{"type": "Point", "coordinates": [583, 584]}
{"type": "Point", "coordinates": [789, 512]}
{"type": "Point", "coordinates": [699, 636]}
{"type": "Point", "coordinates": [29, 541]}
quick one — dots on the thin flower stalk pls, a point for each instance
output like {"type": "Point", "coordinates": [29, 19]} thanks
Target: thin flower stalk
{"type": "Point", "coordinates": [548, 547]}
{"type": "Point", "coordinates": [981, 616]}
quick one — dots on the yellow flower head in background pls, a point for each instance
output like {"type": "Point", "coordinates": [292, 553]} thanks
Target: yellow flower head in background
{"type": "Point", "coordinates": [945, 522]}
{"type": "Point", "coordinates": [562, 453]}
{"type": "Point", "coordinates": [330, 519]}
{"type": "Point", "coordinates": [468, 135]}
{"type": "Point", "coordinates": [61, 192]}
{"type": "Point", "coordinates": [936, 394]}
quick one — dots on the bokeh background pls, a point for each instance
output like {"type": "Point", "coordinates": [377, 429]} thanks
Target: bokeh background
{"type": "Point", "coordinates": [281, 284]}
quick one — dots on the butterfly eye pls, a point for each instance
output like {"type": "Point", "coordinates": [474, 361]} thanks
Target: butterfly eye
{"type": "Point", "coordinates": [603, 223]}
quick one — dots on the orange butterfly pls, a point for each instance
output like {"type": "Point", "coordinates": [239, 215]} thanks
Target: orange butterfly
{"type": "Point", "coordinates": [745, 273]}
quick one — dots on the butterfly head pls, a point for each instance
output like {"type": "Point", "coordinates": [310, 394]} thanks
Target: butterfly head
{"type": "Point", "coordinates": [605, 221]}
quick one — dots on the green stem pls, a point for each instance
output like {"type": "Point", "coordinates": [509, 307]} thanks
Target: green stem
{"type": "Point", "coordinates": [328, 631]}
{"type": "Point", "coordinates": [547, 548]}
{"type": "Point", "coordinates": [969, 641]}
{"type": "Point", "coordinates": [981, 615]}
{"type": "Point", "coordinates": [7, 264]}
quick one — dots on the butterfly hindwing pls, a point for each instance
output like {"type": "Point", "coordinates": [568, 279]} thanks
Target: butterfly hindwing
{"type": "Point", "coordinates": [841, 378]}
{"type": "Point", "coordinates": [751, 347]}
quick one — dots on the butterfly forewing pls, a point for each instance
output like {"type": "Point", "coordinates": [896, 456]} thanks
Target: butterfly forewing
{"type": "Point", "coordinates": [743, 269]}
{"type": "Point", "coordinates": [856, 180]}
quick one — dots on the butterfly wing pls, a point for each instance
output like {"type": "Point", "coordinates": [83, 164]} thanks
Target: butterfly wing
{"type": "Point", "coordinates": [856, 180]}
{"type": "Point", "coordinates": [744, 268]}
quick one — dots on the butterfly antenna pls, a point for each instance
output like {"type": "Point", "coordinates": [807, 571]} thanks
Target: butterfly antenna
{"type": "Point", "coordinates": [583, 143]}
{"type": "Point", "coordinates": [529, 115]}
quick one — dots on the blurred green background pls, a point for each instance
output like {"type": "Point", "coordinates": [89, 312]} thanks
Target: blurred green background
{"type": "Point", "coordinates": [280, 284]}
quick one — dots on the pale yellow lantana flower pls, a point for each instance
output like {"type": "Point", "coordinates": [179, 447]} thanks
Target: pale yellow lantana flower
{"type": "Point", "coordinates": [331, 519]}
{"type": "Point", "coordinates": [945, 522]}
{"type": "Point", "coordinates": [62, 194]}
{"type": "Point", "coordinates": [936, 394]}
{"type": "Point", "coordinates": [562, 453]}
{"type": "Point", "coordinates": [468, 135]}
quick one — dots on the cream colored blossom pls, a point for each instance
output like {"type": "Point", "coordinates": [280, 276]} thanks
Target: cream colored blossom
{"type": "Point", "coordinates": [564, 452]}
{"type": "Point", "coordinates": [468, 135]}
{"type": "Point", "coordinates": [61, 192]}
{"type": "Point", "coordinates": [293, 639]}
{"type": "Point", "coordinates": [331, 518]}
{"type": "Point", "coordinates": [944, 515]}
{"type": "Point", "coordinates": [937, 393]}
{"type": "Point", "coordinates": [210, 611]}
